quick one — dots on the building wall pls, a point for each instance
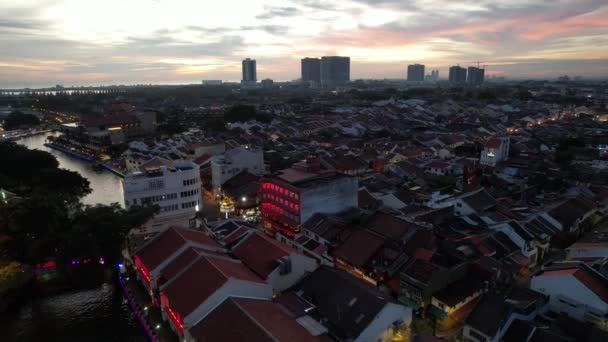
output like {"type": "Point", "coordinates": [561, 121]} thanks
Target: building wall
{"type": "Point", "coordinates": [568, 295]}
{"type": "Point", "coordinates": [329, 198]}
{"type": "Point", "coordinates": [210, 150]}
{"type": "Point", "coordinates": [176, 193]}
{"type": "Point", "coordinates": [381, 328]}
{"type": "Point", "coordinates": [300, 266]}
{"type": "Point", "coordinates": [491, 157]}
{"type": "Point", "coordinates": [587, 252]}
{"type": "Point", "coordinates": [233, 162]}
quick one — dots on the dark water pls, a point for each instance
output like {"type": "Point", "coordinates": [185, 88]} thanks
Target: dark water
{"type": "Point", "coordinates": [96, 315]}
{"type": "Point", "coordinates": [99, 314]}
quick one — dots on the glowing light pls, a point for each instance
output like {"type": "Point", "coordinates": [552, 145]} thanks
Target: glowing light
{"type": "Point", "coordinates": [157, 326]}
{"type": "Point", "coordinates": [144, 273]}
{"type": "Point", "coordinates": [175, 318]}
{"type": "Point", "coordinates": [244, 199]}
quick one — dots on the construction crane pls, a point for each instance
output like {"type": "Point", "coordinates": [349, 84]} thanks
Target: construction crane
{"type": "Point", "coordinates": [478, 63]}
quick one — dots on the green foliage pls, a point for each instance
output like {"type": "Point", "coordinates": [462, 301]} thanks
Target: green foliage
{"type": "Point", "coordinates": [115, 151]}
{"type": "Point", "coordinates": [35, 173]}
{"type": "Point", "coordinates": [100, 230]}
{"type": "Point", "coordinates": [49, 221]}
{"type": "Point", "coordinates": [12, 275]}
{"type": "Point", "coordinates": [565, 151]}
{"type": "Point", "coordinates": [443, 183]}
{"type": "Point", "coordinates": [16, 120]}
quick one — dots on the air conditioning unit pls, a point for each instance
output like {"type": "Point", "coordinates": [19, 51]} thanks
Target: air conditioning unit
{"type": "Point", "coordinates": [284, 265]}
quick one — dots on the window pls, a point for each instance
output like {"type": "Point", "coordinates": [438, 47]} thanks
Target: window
{"type": "Point", "coordinates": [156, 184]}
{"type": "Point", "coordinates": [479, 337]}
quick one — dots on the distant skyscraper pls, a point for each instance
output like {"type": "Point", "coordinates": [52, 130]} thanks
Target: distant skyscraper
{"type": "Point", "coordinates": [435, 75]}
{"type": "Point", "coordinates": [311, 70]}
{"type": "Point", "coordinates": [415, 72]}
{"type": "Point", "coordinates": [249, 71]}
{"type": "Point", "coordinates": [335, 70]}
{"type": "Point", "coordinates": [458, 75]}
{"type": "Point", "coordinates": [475, 76]}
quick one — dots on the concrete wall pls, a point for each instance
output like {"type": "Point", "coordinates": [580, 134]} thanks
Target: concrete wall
{"type": "Point", "coordinates": [300, 266]}
{"type": "Point", "coordinates": [140, 186]}
{"type": "Point", "coordinates": [233, 162]}
{"type": "Point", "coordinates": [380, 329]}
{"type": "Point", "coordinates": [329, 198]}
{"type": "Point", "coordinates": [587, 252]}
{"type": "Point", "coordinates": [569, 295]}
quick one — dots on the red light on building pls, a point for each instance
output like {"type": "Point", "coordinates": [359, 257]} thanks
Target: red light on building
{"type": "Point", "coordinates": [174, 316]}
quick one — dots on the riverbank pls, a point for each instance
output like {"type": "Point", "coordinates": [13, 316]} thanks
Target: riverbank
{"type": "Point", "coordinates": [86, 157]}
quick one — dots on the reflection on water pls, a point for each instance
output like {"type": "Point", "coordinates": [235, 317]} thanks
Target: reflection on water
{"type": "Point", "coordinates": [99, 314]}
{"type": "Point", "coordinates": [107, 187]}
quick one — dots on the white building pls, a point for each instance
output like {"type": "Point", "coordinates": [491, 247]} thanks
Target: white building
{"type": "Point", "coordinates": [234, 161]}
{"type": "Point", "coordinates": [575, 289]}
{"type": "Point", "coordinates": [495, 151]}
{"type": "Point", "coordinates": [174, 187]}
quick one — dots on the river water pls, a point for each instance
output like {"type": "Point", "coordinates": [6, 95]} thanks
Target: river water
{"type": "Point", "coordinates": [107, 187]}
{"type": "Point", "coordinates": [97, 315]}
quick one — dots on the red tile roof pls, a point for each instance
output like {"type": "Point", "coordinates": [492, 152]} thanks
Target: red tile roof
{"type": "Point", "coordinates": [594, 282]}
{"type": "Point", "coordinates": [240, 319]}
{"type": "Point", "coordinates": [168, 242]}
{"type": "Point", "coordinates": [200, 160]}
{"type": "Point", "coordinates": [156, 163]}
{"type": "Point", "coordinates": [493, 143]}
{"type": "Point", "coordinates": [201, 279]}
{"type": "Point", "coordinates": [260, 253]}
{"type": "Point", "coordinates": [359, 248]}
{"type": "Point", "coordinates": [236, 234]}
{"type": "Point", "coordinates": [438, 165]}
{"type": "Point", "coordinates": [178, 264]}
{"type": "Point", "coordinates": [388, 225]}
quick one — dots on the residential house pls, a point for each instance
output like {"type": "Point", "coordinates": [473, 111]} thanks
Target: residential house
{"type": "Point", "coordinates": [278, 264]}
{"type": "Point", "coordinates": [576, 289]}
{"type": "Point", "coordinates": [351, 309]}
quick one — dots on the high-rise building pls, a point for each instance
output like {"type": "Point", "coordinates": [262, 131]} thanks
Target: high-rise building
{"type": "Point", "coordinates": [475, 76]}
{"type": "Point", "coordinates": [415, 73]}
{"type": "Point", "coordinates": [311, 70]}
{"type": "Point", "coordinates": [435, 75]}
{"type": "Point", "coordinates": [249, 71]}
{"type": "Point", "coordinates": [458, 75]}
{"type": "Point", "coordinates": [335, 70]}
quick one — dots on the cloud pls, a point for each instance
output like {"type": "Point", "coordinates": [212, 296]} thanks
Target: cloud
{"type": "Point", "coordinates": [281, 12]}
{"type": "Point", "coordinates": [67, 40]}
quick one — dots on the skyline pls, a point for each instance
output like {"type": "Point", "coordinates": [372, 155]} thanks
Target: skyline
{"type": "Point", "coordinates": [159, 41]}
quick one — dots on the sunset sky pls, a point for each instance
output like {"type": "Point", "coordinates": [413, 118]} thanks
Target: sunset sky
{"type": "Point", "coordinates": [89, 42]}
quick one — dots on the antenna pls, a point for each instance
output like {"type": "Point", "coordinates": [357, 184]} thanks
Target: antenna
{"type": "Point", "coordinates": [478, 63]}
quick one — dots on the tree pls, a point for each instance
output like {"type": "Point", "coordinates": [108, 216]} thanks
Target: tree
{"type": "Point", "coordinates": [240, 113]}
{"type": "Point", "coordinates": [49, 221]}
{"type": "Point", "coordinates": [17, 119]}
{"type": "Point", "coordinates": [99, 231]}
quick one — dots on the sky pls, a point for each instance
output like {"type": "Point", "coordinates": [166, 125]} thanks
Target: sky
{"type": "Point", "coordinates": [94, 42]}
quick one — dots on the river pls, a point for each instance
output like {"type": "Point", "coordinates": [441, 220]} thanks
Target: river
{"type": "Point", "coordinates": [107, 187]}
{"type": "Point", "coordinates": [98, 315]}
